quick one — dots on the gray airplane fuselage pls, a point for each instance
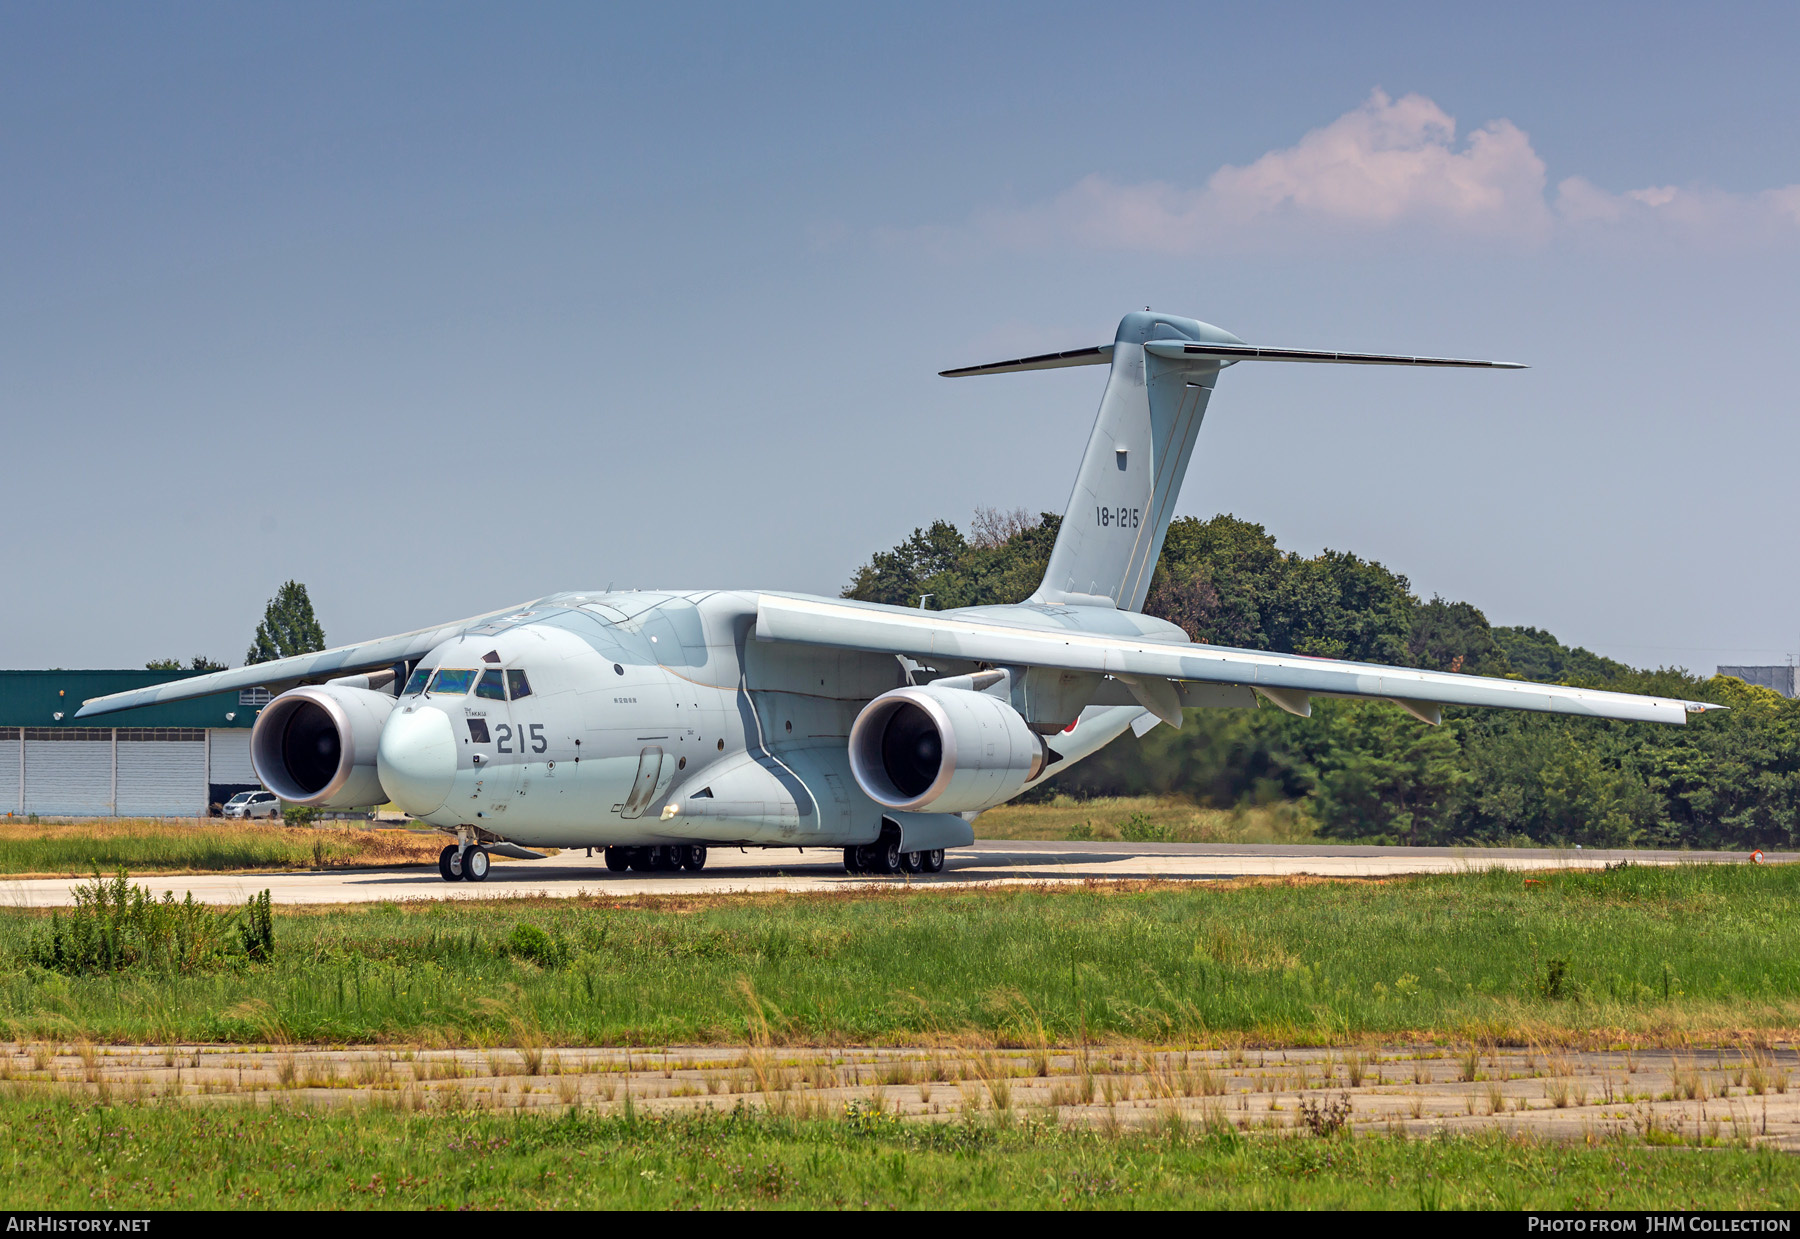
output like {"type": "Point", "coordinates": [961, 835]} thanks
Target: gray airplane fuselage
{"type": "Point", "coordinates": [659, 718]}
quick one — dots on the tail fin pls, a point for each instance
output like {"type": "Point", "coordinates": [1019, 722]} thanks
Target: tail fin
{"type": "Point", "coordinates": [1163, 372]}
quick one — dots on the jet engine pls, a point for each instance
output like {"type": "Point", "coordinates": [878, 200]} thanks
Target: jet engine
{"type": "Point", "coordinates": [950, 749]}
{"type": "Point", "coordinates": [316, 746]}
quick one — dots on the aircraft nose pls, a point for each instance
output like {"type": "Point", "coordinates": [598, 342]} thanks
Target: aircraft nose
{"type": "Point", "coordinates": [416, 759]}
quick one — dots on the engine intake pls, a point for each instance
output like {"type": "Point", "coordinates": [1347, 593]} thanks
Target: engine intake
{"type": "Point", "coordinates": [316, 746]}
{"type": "Point", "coordinates": [952, 749]}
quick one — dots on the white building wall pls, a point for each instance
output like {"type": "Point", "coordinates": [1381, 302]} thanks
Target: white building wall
{"type": "Point", "coordinates": [160, 776]}
{"type": "Point", "coordinates": [144, 772]}
{"type": "Point", "coordinates": [68, 771]}
{"type": "Point", "coordinates": [231, 755]}
{"type": "Point", "coordinates": [12, 744]}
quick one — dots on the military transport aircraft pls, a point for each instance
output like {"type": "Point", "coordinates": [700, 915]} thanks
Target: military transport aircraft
{"type": "Point", "coordinates": [658, 724]}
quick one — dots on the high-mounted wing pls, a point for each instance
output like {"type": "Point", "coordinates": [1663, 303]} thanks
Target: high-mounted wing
{"type": "Point", "coordinates": [286, 672]}
{"type": "Point", "coordinates": [1286, 680]}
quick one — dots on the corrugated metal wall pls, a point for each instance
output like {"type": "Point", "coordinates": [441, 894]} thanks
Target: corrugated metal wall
{"type": "Point", "coordinates": [11, 740]}
{"type": "Point", "coordinates": [68, 770]}
{"type": "Point", "coordinates": [152, 772]}
{"type": "Point", "coordinates": [162, 772]}
{"type": "Point", "coordinates": [231, 757]}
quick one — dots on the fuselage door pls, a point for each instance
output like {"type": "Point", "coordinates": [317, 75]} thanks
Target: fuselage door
{"type": "Point", "coordinates": [500, 744]}
{"type": "Point", "coordinates": [643, 788]}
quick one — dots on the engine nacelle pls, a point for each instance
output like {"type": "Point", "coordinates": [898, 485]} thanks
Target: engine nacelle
{"type": "Point", "coordinates": [951, 749]}
{"type": "Point", "coordinates": [316, 746]}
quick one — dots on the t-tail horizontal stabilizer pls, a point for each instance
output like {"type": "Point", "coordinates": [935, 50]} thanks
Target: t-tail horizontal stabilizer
{"type": "Point", "coordinates": [1174, 350]}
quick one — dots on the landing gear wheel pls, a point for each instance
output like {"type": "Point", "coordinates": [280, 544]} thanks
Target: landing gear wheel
{"type": "Point", "coordinates": [886, 857]}
{"type": "Point", "coordinates": [933, 860]}
{"type": "Point", "coordinates": [912, 862]}
{"type": "Point", "coordinates": [475, 863]}
{"type": "Point", "coordinates": [664, 860]}
{"type": "Point", "coordinates": [637, 859]}
{"type": "Point", "coordinates": [618, 859]}
{"type": "Point", "coordinates": [852, 860]}
{"type": "Point", "coordinates": [450, 863]}
{"type": "Point", "coordinates": [693, 857]}
{"type": "Point", "coordinates": [865, 858]}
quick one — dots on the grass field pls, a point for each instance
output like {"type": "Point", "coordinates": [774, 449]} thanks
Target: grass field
{"type": "Point", "coordinates": [71, 1154]}
{"type": "Point", "coordinates": [1653, 956]}
{"type": "Point", "coordinates": [189, 845]}
{"type": "Point", "coordinates": [1146, 819]}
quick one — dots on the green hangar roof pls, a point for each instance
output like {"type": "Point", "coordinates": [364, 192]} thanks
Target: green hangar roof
{"type": "Point", "coordinates": [50, 699]}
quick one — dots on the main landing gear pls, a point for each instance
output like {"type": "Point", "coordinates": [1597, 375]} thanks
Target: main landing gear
{"type": "Point", "coordinates": [470, 863]}
{"type": "Point", "coordinates": [886, 857]}
{"type": "Point", "coordinates": [661, 859]}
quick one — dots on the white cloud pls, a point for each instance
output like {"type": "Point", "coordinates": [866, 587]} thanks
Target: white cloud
{"type": "Point", "coordinates": [1698, 212]}
{"type": "Point", "coordinates": [1391, 165]}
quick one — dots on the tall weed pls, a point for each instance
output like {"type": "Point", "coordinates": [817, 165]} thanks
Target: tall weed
{"type": "Point", "coordinates": [116, 926]}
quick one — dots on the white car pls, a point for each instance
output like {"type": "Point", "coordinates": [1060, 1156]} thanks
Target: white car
{"type": "Point", "coordinates": [253, 804]}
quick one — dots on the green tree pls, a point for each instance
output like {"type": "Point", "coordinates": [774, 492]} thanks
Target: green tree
{"type": "Point", "coordinates": [1225, 582]}
{"type": "Point", "coordinates": [199, 662]}
{"type": "Point", "coordinates": [1537, 655]}
{"type": "Point", "coordinates": [1338, 606]}
{"type": "Point", "coordinates": [288, 627]}
{"type": "Point", "coordinates": [1366, 769]}
{"type": "Point", "coordinates": [1454, 636]}
{"type": "Point", "coordinates": [1381, 772]}
{"type": "Point", "coordinates": [1003, 562]}
{"type": "Point", "coordinates": [1214, 579]}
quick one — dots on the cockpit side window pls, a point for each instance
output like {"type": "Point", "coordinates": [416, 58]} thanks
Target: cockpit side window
{"type": "Point", "coordinates": [452, 681]}
{"type": "Point", "coordinates": [420, 677]}
{"type": "Point", "coordinates": [521, 687]}
{"type": "Point", "coordinates": [492, 686]}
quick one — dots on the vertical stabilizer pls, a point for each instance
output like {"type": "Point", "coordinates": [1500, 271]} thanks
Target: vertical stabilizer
{"type": "Point", "coordinates": [1163, 371]}
{"type": "Point", "coordinates": [1125, 489]}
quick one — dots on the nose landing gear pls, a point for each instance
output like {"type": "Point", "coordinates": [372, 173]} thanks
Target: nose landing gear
{"type": "Point", "coordinates": [467, 863]}
{"type": "Point", "coordinates": [475, 862]}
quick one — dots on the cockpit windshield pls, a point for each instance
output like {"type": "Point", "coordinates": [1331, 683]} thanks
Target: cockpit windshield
{"type": "Point", "coordinates": [521, 687]}
{"type": "Point", "coordinates": [416, 684]}
{"type": "Point", "coordinates": [452, 681]}
{"type": "Point", "coordinates": [492, 686]}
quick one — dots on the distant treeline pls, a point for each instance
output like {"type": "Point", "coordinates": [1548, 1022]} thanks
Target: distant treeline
{"type": "Point", "coordinates": [1366, 769]}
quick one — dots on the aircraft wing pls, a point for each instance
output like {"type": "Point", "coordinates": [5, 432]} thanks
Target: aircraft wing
{"type": "Point", "coordinates": [286, 672]}
{"type": "Point", "coordinates": [1287, 680]}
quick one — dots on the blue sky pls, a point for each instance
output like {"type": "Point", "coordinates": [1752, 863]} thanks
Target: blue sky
{"type": "Point", "coordinates": [437, 308]}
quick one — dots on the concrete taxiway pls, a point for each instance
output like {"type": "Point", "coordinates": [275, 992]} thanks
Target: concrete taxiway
{"type": "Point", "coordinates": [574, 873]}
{"type": "Point", "coordinates": [1742, 1095]}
